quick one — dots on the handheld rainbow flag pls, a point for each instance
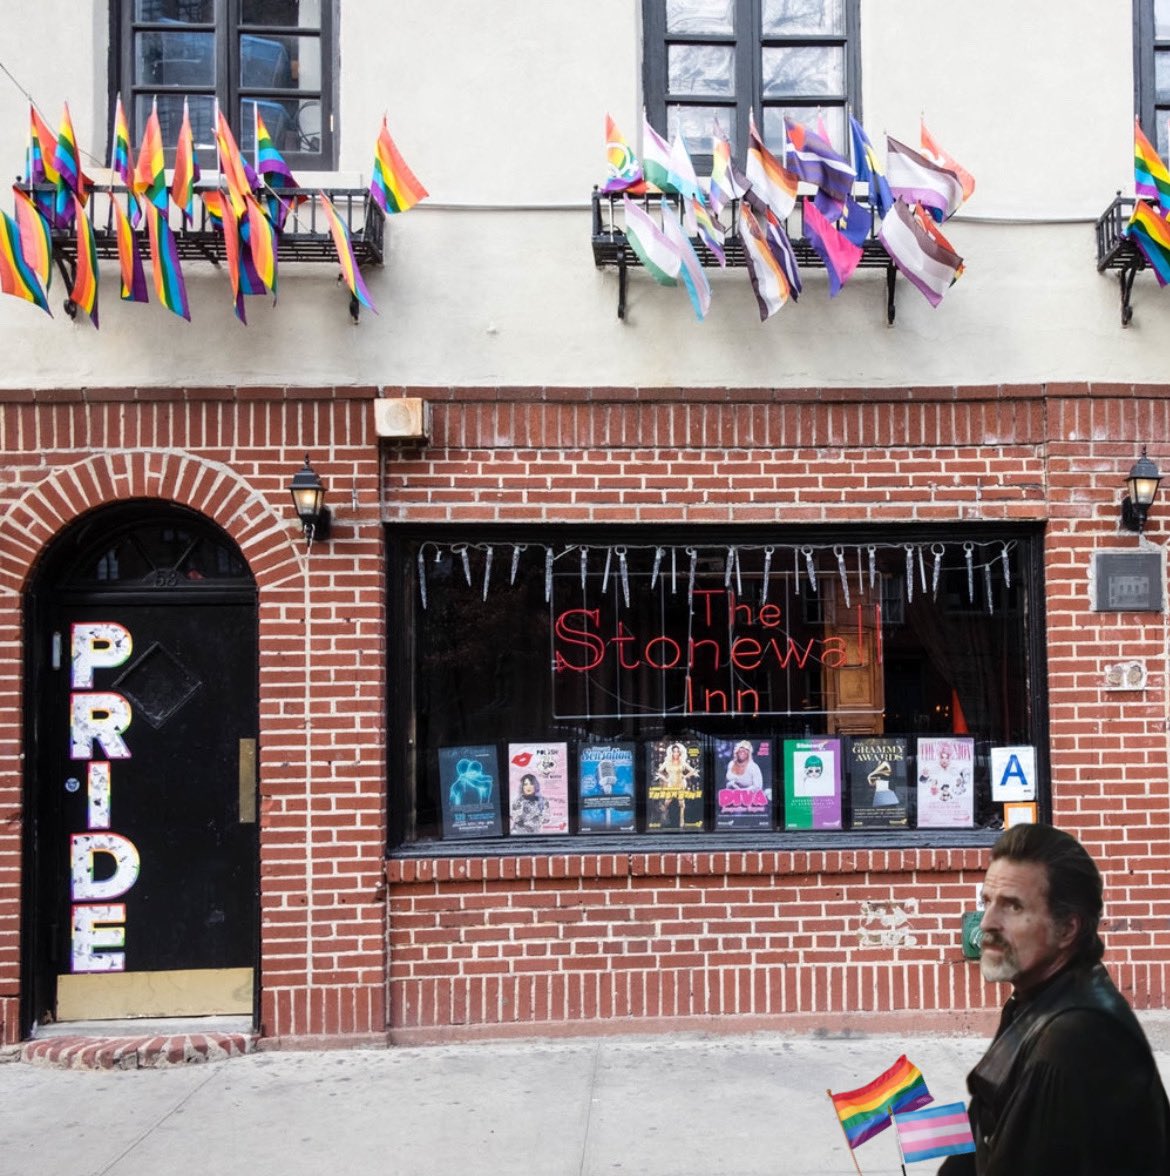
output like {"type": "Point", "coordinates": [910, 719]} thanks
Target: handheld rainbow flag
{"type": "Point", "coordinates": [622, 167]}
{"type": "Point", "coordinates": [345, 257]}
{"type": "Point", "coordinates": [120, 148]}
{"type": "Point", "coordinates": [276, 176]}
{"type": "Point", "coordinates": [1151, 234]}
{"type": "Point", "coordinates": [150, 179]}
{"type": "Point", "coordinates": [36, 241]}
{"type": "Point", "coordinates": [67, 162]}
{"type": "Point", "coordinates": [237, 172]}
{"type": "Point", "coordinates": [164, 258]}
{"type": "Point", "coordinates": [1150, 177]}
{"type": "Point", "coordinates": [866, 1111]}
{"type": "Point", "coordinates": [934, 1132]}
{"type": "Point", "coordinates": [130, 260]}
{"type": "Point", "coordinates": [16, 276]}
{"type": "Point", "coordinates": [726, 183]}
{"type": "Point", "coordinates": [710, 231]}
{"type": "Point", "coordinates": [85, 278]}
{"type": "Point", "coordinates": [42, 145]}
{"type": "Point", "coordinates": [186, 169]}
{"type": "Point", "coordinates": [261, 237]}
{"type": "Point", "coordinates": [394, 186]}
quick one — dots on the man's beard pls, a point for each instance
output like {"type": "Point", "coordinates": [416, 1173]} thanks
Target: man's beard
{"type": "Point", "coordinates": [1005, 967]}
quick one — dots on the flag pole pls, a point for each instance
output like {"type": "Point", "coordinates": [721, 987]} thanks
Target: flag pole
{"type": "Point", "coordinates": [901, 1154]}
{"type": "Point", "coordinates": [852, 1153]}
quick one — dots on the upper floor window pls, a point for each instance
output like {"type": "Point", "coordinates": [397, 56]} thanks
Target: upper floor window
{"type": "Point", "coordinates": [271, 57]}
{"type": "Point", "coordinates": [1152, 70]}
{"type": "Point", "coordinates": [716, 59]}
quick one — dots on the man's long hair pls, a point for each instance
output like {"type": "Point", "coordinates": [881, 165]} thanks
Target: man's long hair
{"type": "Point", "coordinates": [1074, 882]}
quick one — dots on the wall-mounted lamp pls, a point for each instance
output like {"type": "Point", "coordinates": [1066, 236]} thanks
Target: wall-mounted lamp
{"type": "Point", "coordinates": [1142, 485]}
{"type": "Point", "coordinates": [308, 495]}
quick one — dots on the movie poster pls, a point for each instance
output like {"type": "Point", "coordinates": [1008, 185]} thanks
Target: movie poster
{"type": "Point", "coordinates": [946, 783]}
{"type": "Point", "coordinates": [878, 784]}
{"type": "Point", "coordinates": [743, 784]}
{"type": "Point", "coordinates": [674, 770]}
{"type": "Point", "coordinates": [605, 779]}
{"type": "Point", "coordinates": [469, 791]}
{"type": "Point", "coordinates": [812, 783]}
{"type": "Point", "coordinates": [538, 788]}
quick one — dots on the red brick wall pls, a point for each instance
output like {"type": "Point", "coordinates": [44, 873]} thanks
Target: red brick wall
{"type": "Point", "coordinates": [231, 454]}
{"type": "Point", "coordinates": [629, 940]}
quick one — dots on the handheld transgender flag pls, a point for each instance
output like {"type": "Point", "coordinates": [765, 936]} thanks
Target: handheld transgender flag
{"type": "Point", "coordinates": [815, 161]}
{"type": "Point", "coordinates": [935, 152]}
{"type": "Point", "coordinates": [919, 180]}
{"type": "Point", "coordinates": [622, 167]}
{"type": "Point", "coordinates": [394, 186]}
{"type": "Point", "coordinates": [36, 240]}
{"type": "Point", "coordinates": [691, 269]}
{"type": "Point", "coordinates": [866, 1111]}
{"type": "Point", "coordinates": [16, 275]}
{"type": "Point", "coordinates": [869, 171]}
{"type": "Point", "coordinates": [726, 183]}
{"type": "Point", "coordinates": [150, 177]}
{"type": "Point", "coordinates": [164, 258]}
{"type": "Point", "coordinates": [1151, 234]}
{"type": "Point", "coordinates": [840, 255]}
{"type": "Point", "coordinates": [772, 186]}
{"type": "Point", "coordinates": [85, 279]}
{"type": "Point", "coordinates": [934, 1132]}
{"type": "Point", "coordinates": [655, 158]}
{"type": "Point", "coordinates": [764, 269]}
{"type": "Point", "coordinates": [656, 251]}
{"type": "Point", "coordinates": [186, 169]}
{"type": "Point", "coordinates": [1150, 177]}
{"type": "Point", "coordinates": [129, 259]}
{"type": "Point", "coordinates": [345, 257]}
{"type": "Point", "coordinates": [926, 259]}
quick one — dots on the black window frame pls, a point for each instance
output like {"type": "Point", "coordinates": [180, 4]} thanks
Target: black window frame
{"type": "Point", "coordinates": [226, 27]}
{"type": "Point", "coordinates": [402, 781]}
{"type": "Point", "coordinates": [749, 48]}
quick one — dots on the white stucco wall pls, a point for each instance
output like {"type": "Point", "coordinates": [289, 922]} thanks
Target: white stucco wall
{"type": "Point", "coordinates": [499, 105]}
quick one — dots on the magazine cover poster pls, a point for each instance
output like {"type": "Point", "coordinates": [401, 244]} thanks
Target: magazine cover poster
{"type": "Point", "coordinates": [812, 783]}
{"type": "Point", "coordinates": [946, 783]}
{"type": "Point", "coordinates": [743, 783]}
{"type": "Point", "coordinates": [469, 791]}
{"type": "Point", "coordinates": [674, 768]}
{"type": "Point", "coordinates": [605, 777]}
{"type": "Point", "coordinates": [877, 783]}
{"type": "Point", "coordinates": [538, 788]}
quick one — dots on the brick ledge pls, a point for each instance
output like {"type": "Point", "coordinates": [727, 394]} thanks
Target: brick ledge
{"type": "Point", "coordinates": [135, 1053]}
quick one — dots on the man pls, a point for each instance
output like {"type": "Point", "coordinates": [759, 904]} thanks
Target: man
{"type": "Point", "coordinates": [1069, 1085]}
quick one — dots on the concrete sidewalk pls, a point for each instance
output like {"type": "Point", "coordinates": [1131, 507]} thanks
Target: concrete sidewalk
{"type": "Point", "coordinates": [684, 1105]}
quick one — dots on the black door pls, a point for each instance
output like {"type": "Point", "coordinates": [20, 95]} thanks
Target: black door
{"type": "Point", "coordinates": [143, 676]}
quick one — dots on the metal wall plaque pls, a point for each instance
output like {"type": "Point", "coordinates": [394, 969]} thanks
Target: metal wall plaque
{"type": "Point", "coordinates": [1127, 581]}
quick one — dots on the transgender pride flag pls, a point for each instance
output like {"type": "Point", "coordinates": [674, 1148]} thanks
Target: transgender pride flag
{"type": "Point", "coordinates": [934, 1132]}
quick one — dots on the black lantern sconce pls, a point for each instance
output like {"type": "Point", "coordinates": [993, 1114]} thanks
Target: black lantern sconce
{"type": "Point", "coordinates": [1142, 485]}
{"type": "Point", "coordinates": [308, 495]}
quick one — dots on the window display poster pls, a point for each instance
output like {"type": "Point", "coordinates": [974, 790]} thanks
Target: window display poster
{"type": "Point", "coordinates": [605, 777]}
{"type": "Point", "coordinates": [946, 783]}
{"type": "Point", "coordinates": [468, 791]}
{"type": "Point", "coordinates": [1013, 773]}
{"type": "Point", "coordinates": [674, 769]}
{"type": "Point", "coordinates": [812, 783]}
{"type": "Point", "coordinates": [743, 783]}
{"type": "Point", "coordinates": [538, 787]}
{"type": "Point", "coordinates": [877, 783]}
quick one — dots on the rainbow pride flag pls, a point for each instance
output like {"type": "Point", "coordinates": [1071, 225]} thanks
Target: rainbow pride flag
{"type": "Point", "coordinates": [866, 1111]}
{"type": "Point", "coordinates": [186, 169]}
{"type": "Point", "coordinates": [67, 162]}
{"type": "Point", "coordinates": [622, 167]}
{"type": "Point", "coordinates": [1150, 177]}
{"type": "Point", "coordinates": [269, 162]}
{"type": "Point", "coordinates": [237, 172]}
{"type": "Point", "coordinates": [394, 186]}
{"type": "Point", "coordinates": [36, 241]}
{"type": "Point", "coordinates": [345, 257]}
{"type": "Point", "coordinates": [164, 258]}
{"type": "Point", "coordinates": [130, 260]}
{"type": "Point", "coordinates": [262, 242]}
{"type": "Point", "coordinates": [150, 179]}
{"type": "Point", "coordinates": [16, 275]}
{"type": "Point", "coordinates": [1151, 234]}
{"type": "Point", "coordinates": [42, 146]}
{"type": "Point", "coordinates": [120, 149]}
{"type": "Point", "coordinates": [85, 279]}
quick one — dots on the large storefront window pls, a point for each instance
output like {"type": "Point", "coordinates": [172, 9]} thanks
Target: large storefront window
{"type": "Point", "coordinates": [709, 685]}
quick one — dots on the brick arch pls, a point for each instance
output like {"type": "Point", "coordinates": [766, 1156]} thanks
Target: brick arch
{"type": "Point", "coordinates": [45, 508]}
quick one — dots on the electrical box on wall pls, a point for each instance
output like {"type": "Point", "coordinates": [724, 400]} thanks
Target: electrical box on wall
{"type": "Point", "coordinates": [1127, 581]}
{"type": "Point", "coordinates": [972, 934]}
{"type": "Point", "coordinates": [406, 418]}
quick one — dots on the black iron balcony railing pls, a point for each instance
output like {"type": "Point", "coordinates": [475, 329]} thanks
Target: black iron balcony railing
{"type": "Point", "coordinates": [306, 235]}
{"type": "Point", "coordinates": [611, 249]}
{"type": "Point", "coordinates": [1115, 251]}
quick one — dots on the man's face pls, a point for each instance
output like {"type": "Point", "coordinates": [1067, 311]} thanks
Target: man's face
{"type": "Point", "coordinates": [1022, 943]}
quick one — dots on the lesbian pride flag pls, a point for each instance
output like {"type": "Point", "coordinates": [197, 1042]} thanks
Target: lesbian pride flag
{"type": "Point", "coordinates": [934, 1132]}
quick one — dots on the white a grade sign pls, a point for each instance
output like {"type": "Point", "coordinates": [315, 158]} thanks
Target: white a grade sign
{"type": "Point", "coordinates": [1013, 773]}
